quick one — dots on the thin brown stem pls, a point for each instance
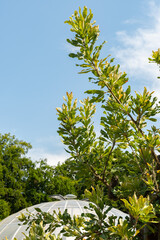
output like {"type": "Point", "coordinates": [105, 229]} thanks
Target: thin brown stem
{"type": "Point", "coordinates": [98, 176]}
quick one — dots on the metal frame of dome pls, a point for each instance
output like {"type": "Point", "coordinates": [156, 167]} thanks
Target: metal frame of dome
{"type": "Point", "coordinates": [10, 228]}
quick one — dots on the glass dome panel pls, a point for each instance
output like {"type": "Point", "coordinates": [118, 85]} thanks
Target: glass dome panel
{"type": "Point", "coordinates": [9, 226]}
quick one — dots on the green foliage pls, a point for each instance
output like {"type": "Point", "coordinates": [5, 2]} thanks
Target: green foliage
{"type": "Point", "coordinates": [75, 173]}
{"type": "Point", "coordinates": [108, 158]}
{"type": "Point", "coordinates": [63, 185]}
{"type": "Point", "coordinates": [4, 209]}
{"type": "Point", "coordinates": [24, 183]}
{"type": "Point", "coordinates": [155, 57]}
{"type": "Point", "coordinates": [13, 166]}
{"type": "Point", "coordinates": [37, 232]}
{"type": "Point", "coordinates": [125, 116]}
{"type": "Point", "coordinates": [123, 230]}
{"type": "Point", "coordinates": [124, 157]}
{"type": "Point", "coordinates": [75, 128]}
{"type": "Point", "coordinates": [140, 209]}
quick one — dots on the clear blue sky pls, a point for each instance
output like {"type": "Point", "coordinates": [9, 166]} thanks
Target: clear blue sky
{"type": "Point", "coordinates": [35, 70]}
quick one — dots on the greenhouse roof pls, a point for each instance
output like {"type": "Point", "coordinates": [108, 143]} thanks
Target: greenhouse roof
{"type": "Point", "coordinates": [10, 228]}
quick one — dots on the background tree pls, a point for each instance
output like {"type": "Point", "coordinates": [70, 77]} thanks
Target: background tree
{"type": "Point", "coordinates": [13, 172]}
{"type": "Point", "coordinates": [76, 173]}
{"type": "Point", "coordinates": [23, 182]}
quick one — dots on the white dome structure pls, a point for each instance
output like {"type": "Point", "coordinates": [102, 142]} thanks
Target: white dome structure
{"type": "Point", "coordinates": [10, 228]}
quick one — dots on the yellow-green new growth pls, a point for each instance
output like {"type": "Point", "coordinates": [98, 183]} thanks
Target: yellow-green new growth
{"type": "Point", "coordinates": [140, 208]}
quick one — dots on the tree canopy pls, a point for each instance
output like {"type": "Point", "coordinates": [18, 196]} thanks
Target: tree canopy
{"type": "Point", "coordinates": [124, 158]}
{"type": "Point", "coordinates": [23, 182]}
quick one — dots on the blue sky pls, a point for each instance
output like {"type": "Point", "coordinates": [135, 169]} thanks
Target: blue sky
{"type": "Point", "coordinates": [35, 70]}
